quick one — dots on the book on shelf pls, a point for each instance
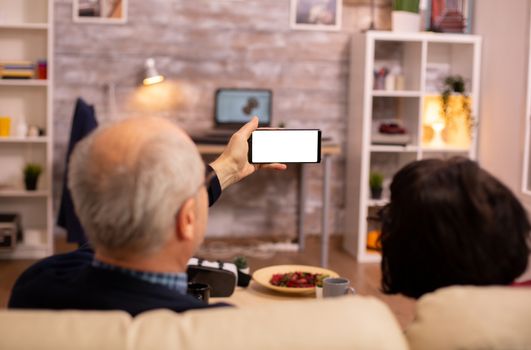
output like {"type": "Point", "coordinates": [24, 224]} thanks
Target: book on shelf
{"type": "Point", "coordinates": [17, 69]}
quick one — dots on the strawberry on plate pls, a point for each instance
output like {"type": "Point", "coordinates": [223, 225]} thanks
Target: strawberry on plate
{"type": "Point", "coordinates": [297, 279]}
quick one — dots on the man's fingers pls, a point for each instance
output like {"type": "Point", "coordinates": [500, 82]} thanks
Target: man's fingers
{"type": "Point", "coordinates": [274, 166]}
{"type": "Point", "coordinates": [248, 128]}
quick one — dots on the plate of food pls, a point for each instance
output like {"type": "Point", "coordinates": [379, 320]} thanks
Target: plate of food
{"type": "Point", "coordinates": [293, 279]}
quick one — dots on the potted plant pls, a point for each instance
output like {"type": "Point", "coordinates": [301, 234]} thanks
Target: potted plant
{"type": "Point", "coordinates": [454, 87]}
{"type": "Point", "coordinates": [376, 184]}
{"type": "Point", "coordinates": [406, 17]}
{"type": "Point", "coordinates": [31, 176]}
{"type": "Point", "coordinates": [241, 264]}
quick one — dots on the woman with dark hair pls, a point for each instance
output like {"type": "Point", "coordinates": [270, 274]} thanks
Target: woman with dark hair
{"type": "Point", "coordinates": [449, 222]}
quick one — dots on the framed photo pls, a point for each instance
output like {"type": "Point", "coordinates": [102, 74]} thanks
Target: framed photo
{"type": "Point", "coordinates": [100, 11]}
{"type": "Point", "coordinates": [316, 14]}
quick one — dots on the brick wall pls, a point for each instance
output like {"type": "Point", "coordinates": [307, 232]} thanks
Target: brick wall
{"type": "Point", "coordinates": [201, 45]}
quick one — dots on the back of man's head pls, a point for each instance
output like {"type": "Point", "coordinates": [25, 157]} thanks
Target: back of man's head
{"type": "Point", "coordinates": [128, 181]}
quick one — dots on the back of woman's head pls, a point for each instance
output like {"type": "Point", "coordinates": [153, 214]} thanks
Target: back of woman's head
{"type": "Point", "coordinates": [449, 222]}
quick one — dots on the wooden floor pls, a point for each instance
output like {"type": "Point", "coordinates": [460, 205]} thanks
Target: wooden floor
{"type": "Point", "coordinates": [365, 278]}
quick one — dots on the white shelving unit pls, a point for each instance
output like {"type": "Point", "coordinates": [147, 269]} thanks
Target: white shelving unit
{"type": "Point", "coordinates": [526, 169]}
{"type": "Point", "coordinates": [421, 60]}
{"type": "Point", "coordinates": [26, 33]}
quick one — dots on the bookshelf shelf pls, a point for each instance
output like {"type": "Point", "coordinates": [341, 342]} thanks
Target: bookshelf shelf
{"type": "Point", "coordinates": [26, 35]}
{"type": "Point", "coordinates": [414, 57]}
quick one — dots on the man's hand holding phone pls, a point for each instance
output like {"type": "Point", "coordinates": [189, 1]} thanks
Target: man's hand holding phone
{"type": "Point", "coordinates": [233, 165]}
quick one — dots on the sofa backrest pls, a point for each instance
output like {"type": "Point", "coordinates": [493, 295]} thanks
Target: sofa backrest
{"type": "Point", "coordinates": [342, 323]}
{"type": "Point", "coordinates": [472, 318]}
{"type": "Point", "coordinates": [51, 330]}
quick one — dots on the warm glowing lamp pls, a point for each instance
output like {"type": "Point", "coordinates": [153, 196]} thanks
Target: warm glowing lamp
{"type": "Point", "coordinates": [151, 75]}
{"type": "Point", "coordinates": [455, 127]}
{"type": "Point", "coordinates": [432, 118]}
{"type": "Point", "coordinates": [438, 127]}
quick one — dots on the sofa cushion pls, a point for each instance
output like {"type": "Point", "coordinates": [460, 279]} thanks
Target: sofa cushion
{"type": "Point", "coordinates": [473, 318]}
{"type": "Point", "coordinates": [342, 323]}
{"type": "Point", "coordinates": [26, 329]}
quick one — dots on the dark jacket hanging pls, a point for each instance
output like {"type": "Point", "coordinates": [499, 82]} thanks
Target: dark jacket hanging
{"type": "Point", "coordinates": [83, 123]}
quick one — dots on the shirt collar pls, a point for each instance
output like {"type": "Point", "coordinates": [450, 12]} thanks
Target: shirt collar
{"type": "Point", "coordinates": [174, 281]}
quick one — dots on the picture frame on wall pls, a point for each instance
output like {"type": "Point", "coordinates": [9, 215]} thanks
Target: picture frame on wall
{"type": "Point", "coordinates": [100, 11]}
{"type": "Point", "coordinates": [316, 14]}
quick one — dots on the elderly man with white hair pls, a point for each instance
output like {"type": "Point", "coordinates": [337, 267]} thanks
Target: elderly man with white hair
{"type": "Point", "coordinates": [140, 191]}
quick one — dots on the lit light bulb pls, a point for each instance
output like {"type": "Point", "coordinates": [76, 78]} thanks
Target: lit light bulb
{"type": "Point", "coordinates": [151, 75]}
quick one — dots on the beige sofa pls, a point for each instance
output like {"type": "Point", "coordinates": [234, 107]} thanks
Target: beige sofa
{"type": "Point", "coordinates": [453, 318]}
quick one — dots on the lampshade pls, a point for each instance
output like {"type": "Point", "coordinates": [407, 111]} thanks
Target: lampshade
{"type": "Point", "coordinates": [151, 76]}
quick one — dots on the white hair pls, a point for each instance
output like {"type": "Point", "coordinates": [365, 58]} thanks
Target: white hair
{"type": "Point", "coordinates": [130, 208]}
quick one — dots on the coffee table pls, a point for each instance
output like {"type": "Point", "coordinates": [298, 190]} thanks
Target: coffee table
{"type": "Point", "coordinates": [256, 294]}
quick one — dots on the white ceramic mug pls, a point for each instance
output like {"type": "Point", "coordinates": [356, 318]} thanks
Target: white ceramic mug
{"type": "Point", "coordinates": [336, 287]}
{"type": "Point", "coordinates": [319, 292]}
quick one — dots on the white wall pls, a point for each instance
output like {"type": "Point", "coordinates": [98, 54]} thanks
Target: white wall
{"type": "Point", "coordinates": [504, 26]}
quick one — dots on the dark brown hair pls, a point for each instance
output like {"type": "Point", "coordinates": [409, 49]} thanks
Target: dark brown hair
{"type": "Point", "coordinates": [449, 222]}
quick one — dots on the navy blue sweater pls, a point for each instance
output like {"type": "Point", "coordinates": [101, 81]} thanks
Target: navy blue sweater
{"type": "Point", "coordinates": [69, 281]}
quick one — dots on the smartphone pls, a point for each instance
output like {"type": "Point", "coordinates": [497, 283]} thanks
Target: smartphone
{"type": "Point", "coordinates": [285, 146]}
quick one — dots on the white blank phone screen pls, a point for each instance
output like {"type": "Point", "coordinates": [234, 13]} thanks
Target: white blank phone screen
{"type": "Point", "coordinates": [285, 146]}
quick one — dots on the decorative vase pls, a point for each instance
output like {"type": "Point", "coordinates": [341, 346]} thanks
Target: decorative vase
{"type": "Point", "coordinates": [404, 21]}
{"type": "Point", "coordinates": [31, 182]}
{"type": "Point", "coordinates": [376, 193]}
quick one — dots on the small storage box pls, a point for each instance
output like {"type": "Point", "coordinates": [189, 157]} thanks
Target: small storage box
{"type": "Point", "coordinates": [10, 231]}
